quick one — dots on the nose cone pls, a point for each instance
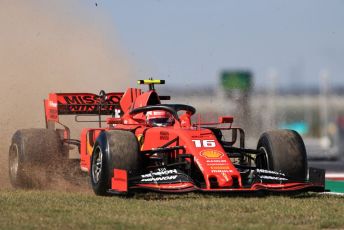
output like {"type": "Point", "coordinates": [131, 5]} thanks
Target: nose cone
{"type": "Point", "coordinates": [223, 180]}
{"type": "Point", "coordinates": [220, 181]}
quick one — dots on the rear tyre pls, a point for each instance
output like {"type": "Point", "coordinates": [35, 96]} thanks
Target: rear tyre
{"type": "Point", "coordinates": [113, 149]}
{"type": "Point", "coordinates": [284, 151]}
{"type": "Point", "coordinates": [32, 154]}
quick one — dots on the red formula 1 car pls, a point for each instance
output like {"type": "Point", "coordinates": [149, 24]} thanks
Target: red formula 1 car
{"type": "Point", "coordinates": [150, 145]}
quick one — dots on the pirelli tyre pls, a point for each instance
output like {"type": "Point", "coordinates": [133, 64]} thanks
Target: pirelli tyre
{"type": "Point", "coordinates": [283, 151]}
{"type": "Point", "coordinates": [32, 154]}
{"type": "Point", "coordinates": [113, 149]}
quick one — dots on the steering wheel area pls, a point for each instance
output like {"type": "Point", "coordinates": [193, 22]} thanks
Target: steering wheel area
{"type": "Point", "coordinates": [171, 108]}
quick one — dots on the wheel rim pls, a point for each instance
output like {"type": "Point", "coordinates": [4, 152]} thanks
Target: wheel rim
{"type": "Point", "coordinates": [14, 161]}
{"type": "Point", "coordinates": [263, 159]}
{"type": "Point", "coordinates": [97, 164]}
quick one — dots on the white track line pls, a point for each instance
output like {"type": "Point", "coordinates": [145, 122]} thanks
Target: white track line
{"type": "Point", "coordinates": [338, 176]}
{"type": "Point", "coordinates": [332, 193]}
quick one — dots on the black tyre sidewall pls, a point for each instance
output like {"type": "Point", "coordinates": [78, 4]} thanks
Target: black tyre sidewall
{"type": "Point", "coordinates": [265, 145]}
{"type": "Point", "coordinates": [103, 184]}
{"type": "Point", "coordinates": [20, 179]}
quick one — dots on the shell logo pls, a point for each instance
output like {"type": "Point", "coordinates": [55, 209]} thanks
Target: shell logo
{"type": "Point", "coordinates": [220, 167]}
{"type": "Point", "coordinates": [211, 154]}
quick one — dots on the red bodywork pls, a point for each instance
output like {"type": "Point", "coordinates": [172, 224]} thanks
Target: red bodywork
{"type": "Point", "coordinates": [208, 155]}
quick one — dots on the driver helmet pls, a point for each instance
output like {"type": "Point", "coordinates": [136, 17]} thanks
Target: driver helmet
{"type": "Point", "coordinates": [159, 118]}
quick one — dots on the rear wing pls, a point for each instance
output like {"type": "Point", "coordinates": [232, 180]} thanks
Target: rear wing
{"type": "Point", "coordinates": [81, 103]}
{"type": "Point", "coordinates": [115, 104]}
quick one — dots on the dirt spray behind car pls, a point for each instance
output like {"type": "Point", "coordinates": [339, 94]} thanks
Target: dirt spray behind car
{"type": "Point", "coordinates": [43, 51]}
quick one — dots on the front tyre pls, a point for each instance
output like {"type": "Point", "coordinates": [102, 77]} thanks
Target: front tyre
{"type": "Point", "coordinates": [284, 151]}
{"type": "Point", "coordinates": [113, 149]}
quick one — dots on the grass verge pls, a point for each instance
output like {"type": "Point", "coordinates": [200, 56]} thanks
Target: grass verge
{"type": "Point", "coordinates": [65, 210]}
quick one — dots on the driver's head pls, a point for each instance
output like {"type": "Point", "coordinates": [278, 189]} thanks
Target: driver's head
{"type": "Point", "coordinates": [159, 118]}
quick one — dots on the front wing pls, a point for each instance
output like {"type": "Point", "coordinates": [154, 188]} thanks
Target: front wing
{"type": "Point", "coordinates": [175, 181]}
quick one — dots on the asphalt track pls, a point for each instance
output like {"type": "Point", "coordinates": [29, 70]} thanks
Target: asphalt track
{"type": "Point", "coordinates": [330, 166]}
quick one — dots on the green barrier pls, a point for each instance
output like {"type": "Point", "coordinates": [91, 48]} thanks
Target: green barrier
{"type": "Point", "coordinates": [334, 186]}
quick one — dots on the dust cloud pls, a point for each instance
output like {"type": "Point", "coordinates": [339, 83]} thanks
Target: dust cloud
{"type": "Point", "coordinates": [52, 46]}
